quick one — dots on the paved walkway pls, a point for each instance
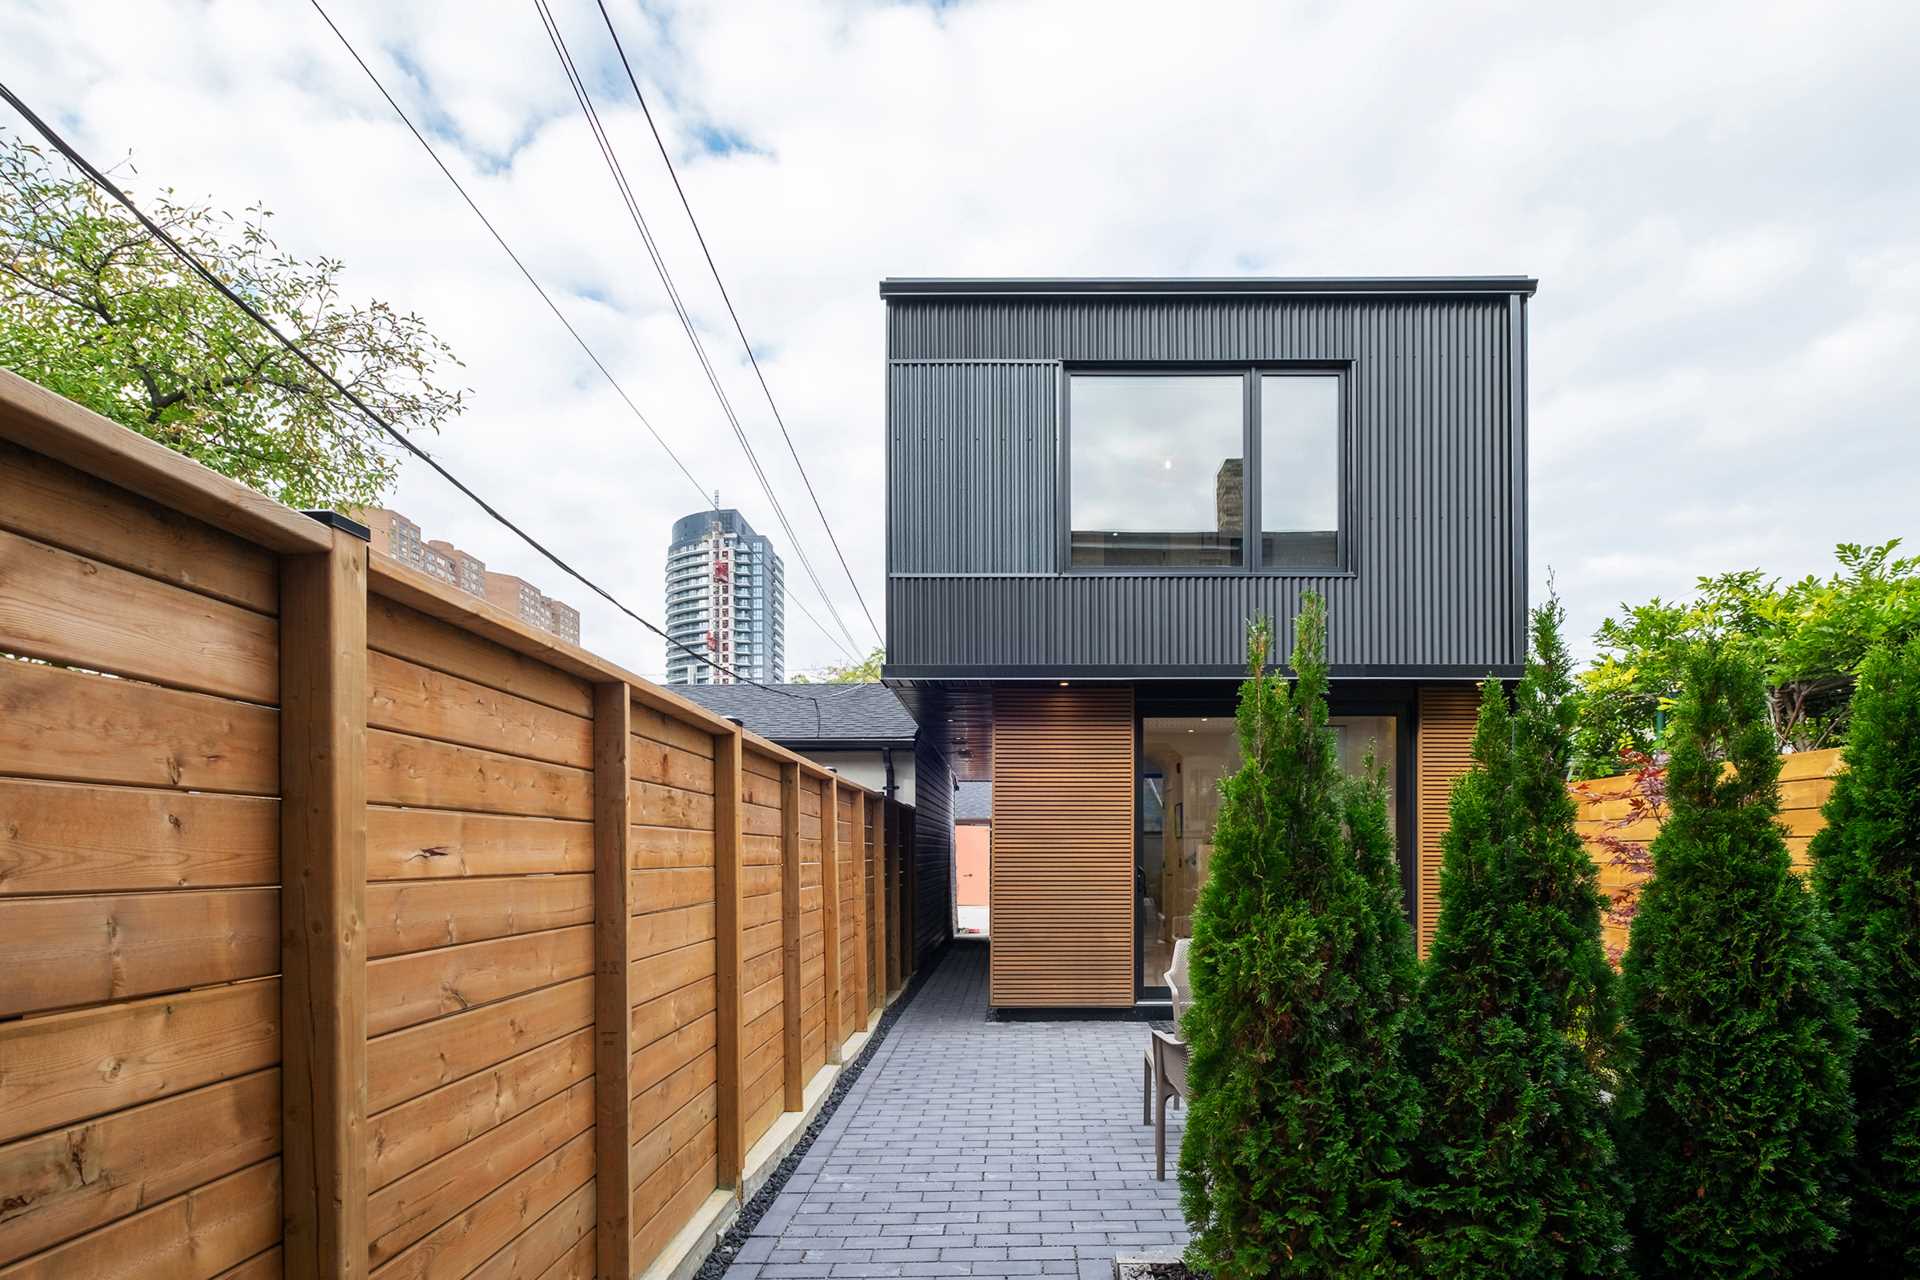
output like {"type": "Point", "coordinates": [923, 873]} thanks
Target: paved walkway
{"type": "Point", "coordinates": [973, 1147]}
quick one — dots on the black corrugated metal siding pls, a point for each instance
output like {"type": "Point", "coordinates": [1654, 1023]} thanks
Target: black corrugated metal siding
{"type": "Point", "coordinates": [932, 846]}
{"type": "Point", "coordinates": [1437, 502]}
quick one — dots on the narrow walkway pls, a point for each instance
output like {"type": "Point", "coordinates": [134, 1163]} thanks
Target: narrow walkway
{"type": "Point", "coordinates": [977, 1148]}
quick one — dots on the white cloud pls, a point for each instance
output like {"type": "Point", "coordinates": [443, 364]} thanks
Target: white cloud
{"type": "Point", "coordinates": [1717, 199]}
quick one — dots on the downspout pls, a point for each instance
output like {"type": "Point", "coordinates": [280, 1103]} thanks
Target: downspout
{"type": "Point", "coordinates": [886, 757]}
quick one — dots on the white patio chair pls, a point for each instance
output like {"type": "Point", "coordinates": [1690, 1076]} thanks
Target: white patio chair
{"type": "Point", "coordinates": [1165, 1068]}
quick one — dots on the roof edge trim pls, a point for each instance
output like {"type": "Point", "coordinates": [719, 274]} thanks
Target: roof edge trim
{"type": "Point", "coordinates": [1015, 286]}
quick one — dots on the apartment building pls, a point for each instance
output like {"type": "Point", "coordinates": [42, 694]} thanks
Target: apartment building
{"type": "Point", "coordinates": [394, 535]}
{"type": "Point", "coordinates": [726, 602]}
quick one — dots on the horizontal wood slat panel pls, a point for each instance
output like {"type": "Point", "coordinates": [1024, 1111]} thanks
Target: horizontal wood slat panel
{"type": "Point", "coordinates": [198, 1234]}
{"type": "Point", "coordinates": [405, 990]}
{"type": "Point", "coordinates": [71, 726]}
{"type": "Point", "coordinates": [406, 1137]}
{"type": "Point", "coordinates": [415, 915]}
{"type": "Point", "coordinates": [69, 1181]}
{"type": "Point", "coordinates": [1443, 751]}
{"type": "Point", "coordinates": [1062, 876]}
{"type": "Point", "coordinates": [461, 1245]}
{"type": "Point", "coordinates": [62, 952]}
{"type": "Point", "coordinates": [48, 500]}
{"type": "Point", "coordinates": [50, 1067]}
{"type": "Point", "coordinates": [405, 1064]}
{"type": "Point", "coordinates": [408, 698]}
{"type": "Point", "coordinates": [418, 772]}
{"type": "Point", "coordinates": [395, 629]}
{"type": "Point", "coordinates": [71, 609]}
{"type": "Point", "coordinates": [420, 844]}
{"type": "Point", "coordinates": [547, 1242]}
{"type": "Point", "coordinates": [58, 837]}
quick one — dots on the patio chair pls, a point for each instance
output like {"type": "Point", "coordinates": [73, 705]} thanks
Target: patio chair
{"type": "Point", "coordinates": [1165, 1068]}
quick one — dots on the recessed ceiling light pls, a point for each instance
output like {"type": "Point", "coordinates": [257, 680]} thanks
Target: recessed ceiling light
{"type": "Point", "coordinates": [1063, 684]}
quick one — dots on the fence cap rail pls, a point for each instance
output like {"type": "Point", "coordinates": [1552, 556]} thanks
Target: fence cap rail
{"type": "Point", "coordinates": [51, 425]}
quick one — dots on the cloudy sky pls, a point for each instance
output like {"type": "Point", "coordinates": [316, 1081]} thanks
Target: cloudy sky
{"type": "Point", "coordinates": [1722, 203]}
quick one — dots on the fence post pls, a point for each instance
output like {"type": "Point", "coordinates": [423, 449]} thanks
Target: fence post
{"type": "Point", "coordinates": [895, 956]}
{"type": "Point", "coordinates": [323, 896]}
{"type": "Point", "coordinates": [830, 912]}
{"type": "Point", "coordinates": [793, 1083]}
{"type": "Point", "coordinates": [730, 1037]}
{"type": "Point", "coordinates": [612, 984]}
{"type": "Point", "coordinates": [877, 939]}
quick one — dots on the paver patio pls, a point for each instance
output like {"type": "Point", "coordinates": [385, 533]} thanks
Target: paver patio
{"type": "Point", "coordinates": [975, 1147]}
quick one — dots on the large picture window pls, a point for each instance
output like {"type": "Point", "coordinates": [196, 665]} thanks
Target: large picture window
{"type": "Point", "coordinates": [1166, 471]}
{"type": "Point", "coordinates": [1157, 470]}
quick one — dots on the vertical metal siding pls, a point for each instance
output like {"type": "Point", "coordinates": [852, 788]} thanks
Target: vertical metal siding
{"type": "Point", "coordinates": [1437, 482]}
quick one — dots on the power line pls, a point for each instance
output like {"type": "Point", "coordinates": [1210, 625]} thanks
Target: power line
{"type": "Point", "coordinates": [544, 297]}
{"type": "Point", "coordinates": [618, 172]}
{"type": "Point", "coordinates": [502, 242]}
{"type": "Point", "coordinates": [735, 316]}
{"type": "Point", "coordinates": [204, 272]}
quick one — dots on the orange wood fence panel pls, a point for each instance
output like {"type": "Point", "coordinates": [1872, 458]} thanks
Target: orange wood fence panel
{"type": "Point", "coordinates": [422, 944]}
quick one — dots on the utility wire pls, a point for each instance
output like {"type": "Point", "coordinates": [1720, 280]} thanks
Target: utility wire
{"type": "Point", "coordinates": [501, 241]}
{"type": "Point", "coordinates": [544, 297]}
{"type": "Point", "coordinates": [610, 156]}
{"type": "Point", "coordinates": [204, 272]}
{"type": "Point", "coordinates": [735, 317]}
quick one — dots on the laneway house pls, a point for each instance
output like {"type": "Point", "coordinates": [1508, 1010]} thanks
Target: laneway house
{"type": "Point", "coordinates": [1094, 484]}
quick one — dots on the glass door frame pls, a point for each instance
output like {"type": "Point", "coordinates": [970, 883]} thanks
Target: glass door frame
{"type": "Point", "coordinates": [1220, 698]}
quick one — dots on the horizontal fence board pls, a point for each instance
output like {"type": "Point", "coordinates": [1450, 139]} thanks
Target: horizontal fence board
{"type": "Point", "coordinates": [658, 931]}
{"type": "Point", "coordinates": [415, 915]}
{"type": "Point", "coordinates": [420, 773]}
{"type": "Point", "coordinates": [408, 698]}
{"type": "Point", "coordinates": [654, 1232]}
{"type": "Point", "coordinates": [460, 1246]}
{"type": "Point", "coordinates": [50, 1067]}
{"type": "Point", "coordinates": [71, 609]}
{"type": "Point", "coordinates": [77, 727]}
{"type": "Point", "coordinates": [659, 806]}
{"type": "Point", "coordinates": [672, 766]}
{"type": "Point", "coordinates": [420, 844]}
{"type": "Point", "coordinates": [405, 1064]}
{"type": "Point", "coordinates": [654, 1062]}
{"type": "Point", "coordinates": [394, 628]}
{"type": "Point", "coordinates": [406, 1137]}
{"type": "Point", "coordinates": [406, 1210]}
{"type": "Point", "coordinates": [52, 502]}
{"type": "Point", "coordinates": [671, 970]}
{"type": "Point", "coordinates": [671, 731]}
{"type": "Point", "coordinates": [655, 1105]}
{"type": "Point", "coordinates": [671, 1012]}
{"type": "Point", "coordinates": [58, 837]}
{"type": "Point", "coordinates": [405, 990]}
{"type": "Point", "coordinates": [689, 1127]}
{"type": "Point", "coordinates": [198, 1234]}
{"type": "Point", "coordinates": [652, 847]}
{"type": "Point", "coordinates": [61, 951]}
{"type": "Point", "coordinates": [69, 1181]}
{"type": "Point", "coordinates": [665, 888]}
{"type": "Point", "coordinates": [547, 1242]}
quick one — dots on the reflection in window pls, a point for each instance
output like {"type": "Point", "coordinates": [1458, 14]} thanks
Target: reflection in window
{"type": "Point", "coordinates": [1183, 760]}
{"type": "Point", "coordinates": [1299, 471]}
{"type": "Point", "coordinates": [1157, 473]}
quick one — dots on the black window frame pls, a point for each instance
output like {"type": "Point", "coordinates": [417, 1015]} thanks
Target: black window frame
{"type": "Point", "coordinates": [1253, 538]}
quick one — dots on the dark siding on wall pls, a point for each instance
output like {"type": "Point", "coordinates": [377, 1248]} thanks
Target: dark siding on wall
{"type": "Point", "coordinates": [1437, 485]}
{"type": "Point", "coordinates": [932, 847]}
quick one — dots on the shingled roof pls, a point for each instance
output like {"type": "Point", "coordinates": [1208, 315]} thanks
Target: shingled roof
{"type": "Point", "coordinates": [815, 715]}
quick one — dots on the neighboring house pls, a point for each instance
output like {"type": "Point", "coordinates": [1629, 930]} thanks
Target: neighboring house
{"type": "Point", "coordinates": [863, 732]}
{"type": "Point", "coordinates": [972, 838]}
{"type": "Point", "coordinates": [726, 602]}
{"type": "Point", "coordinates": [1093, 485]}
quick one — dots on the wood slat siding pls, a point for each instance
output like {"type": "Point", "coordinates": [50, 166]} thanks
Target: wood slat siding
{"type": "Point", "coordinates": [419, 944]}
{"type": "Point", "coordinates": [1062, 853]}
{"type": "Point", "coordinates": [139, 882]}
{"type": "Point", "coordinates": [1443, 750]}
{"type": "Point", "coordinates": [1806, 780]}
{"type": "Point", "coordinates": [480, 789]}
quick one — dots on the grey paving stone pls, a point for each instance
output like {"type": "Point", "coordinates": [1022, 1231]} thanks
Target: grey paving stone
{"type": "Point", "coordinates": [973, 1147]}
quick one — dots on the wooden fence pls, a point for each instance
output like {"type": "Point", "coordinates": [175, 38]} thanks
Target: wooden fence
{"type": "Point", "coordinates": [1606, 809]}
{"type": "Point", "coordinates": [350, 927]}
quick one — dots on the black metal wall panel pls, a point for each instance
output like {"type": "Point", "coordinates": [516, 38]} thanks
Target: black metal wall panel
{"type": "Point", "coordinates": [1437, 484]}
{"type": "Point", "coordinates": [932, 846]}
